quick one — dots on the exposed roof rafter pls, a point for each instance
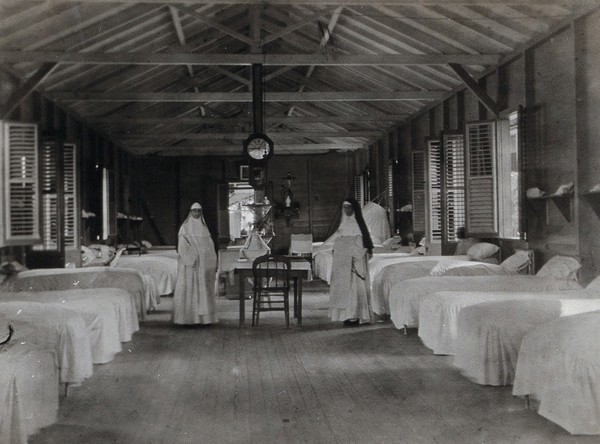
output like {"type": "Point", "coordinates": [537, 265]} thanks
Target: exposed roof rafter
{"type": "Point", "coordinates": [153, 58]}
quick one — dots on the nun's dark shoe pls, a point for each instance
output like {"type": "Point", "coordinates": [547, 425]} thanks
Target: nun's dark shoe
{"type": "Point", "coordinates": [351, 323]}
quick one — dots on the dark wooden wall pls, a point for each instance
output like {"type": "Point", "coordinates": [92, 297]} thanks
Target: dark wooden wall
{"type": "Point", "coordinates": [95, 151]}
{"type": "Point", "coordinates": [557, 81]}
{"type": "Point", "coordinates": [168, 187]}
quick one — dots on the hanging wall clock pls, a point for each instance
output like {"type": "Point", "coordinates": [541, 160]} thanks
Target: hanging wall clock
{"type": "Point", "coordinates": [258, 147]}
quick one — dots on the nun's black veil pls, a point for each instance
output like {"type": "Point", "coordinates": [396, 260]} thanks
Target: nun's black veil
{"type": "Point", "coordinates": [366, 236]}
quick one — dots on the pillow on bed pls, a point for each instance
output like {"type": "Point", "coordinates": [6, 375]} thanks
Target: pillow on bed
{"type": "Point", "coordinates": [560, 267]}
{"type": "Point", "coordinates": [88, 256]}
{"type": "Point", "coordinates": [482, 250]}
{"type": "Point", "coordinates": [12, 267]}
{"type": "Point", "coordinates": [442, 268]}
{"type": "Point", "coordinates": [482, 269]}
{"type": "Point", "coordinates": [518, 262]}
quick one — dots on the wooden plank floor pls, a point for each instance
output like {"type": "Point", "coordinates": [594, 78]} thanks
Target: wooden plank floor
{"type": "Point", "coordinates": [321, 383]}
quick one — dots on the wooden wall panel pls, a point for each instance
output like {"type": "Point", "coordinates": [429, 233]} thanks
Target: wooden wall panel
{"type": "Point", "coordinates": [169, 187]}
{"type": "Point", "coordinates": [471, 107]}
{"type": "Point", "coordinates": [556, 160]}
{"type": "Point", "coordinates": [155, 189]}
{"type": "Point", "coordinates": [438, 113]}
{"type": "Point", "coordinates": [588, 155]}
{"type": "Point", "coordinates": [515, 77]}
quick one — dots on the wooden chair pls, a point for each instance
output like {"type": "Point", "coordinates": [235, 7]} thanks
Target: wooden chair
{"type": "Point", "coordinates": [271, 286]}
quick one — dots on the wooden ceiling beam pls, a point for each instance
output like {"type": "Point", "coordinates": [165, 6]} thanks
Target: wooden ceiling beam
{"type": "Point", "coordinates": [153, 58]}
{"type": "Point", "coordinates": [474, 87]}
{"type": "Point", "coordinates": [236, 148]}
{"type": "Point", "coordinates": [214, 24]}
{"type": "Point", "coordinates": [300, 24]}
{"type": "Point", "coordinates": [321, 96]}
{"type": "Point", "coordinates": [25, 89]}
{"type": "Point", "coordinates": [324, 40]}
{"type": "Point", "coordinates": [243, 135]}
{"type": "Point", "coordinates": [344, 2]}
{"type": "Point", "coordinates": [246, 121]}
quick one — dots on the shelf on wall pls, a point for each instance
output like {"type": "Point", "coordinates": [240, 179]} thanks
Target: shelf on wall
{"type": "Point", "coordinates": [563, 202]}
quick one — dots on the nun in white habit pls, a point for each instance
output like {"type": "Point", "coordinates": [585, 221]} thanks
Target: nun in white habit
{"type": "Point", "coordinates": [194, 297]}
{"type": "Point", "coordinates": [349, 298]}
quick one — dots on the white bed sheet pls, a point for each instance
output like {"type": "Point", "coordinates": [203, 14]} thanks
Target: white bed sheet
{"type": "Point", "coordinates": [167, 251]}
{"type": "Point", "coordinates": [323, 261]}
{"type": "Point", "coordinates": [162, 269]}
{"type": "Point", "coordinates": [438, 313]}
{"type": "Point", "coordinates": [490, 334]}
{"type": "Point", "coordinates": [28, 389]}
{"type": "Point", "coordinates": [386, 272]}
{"type": "Point", "coordinates": [405, 297]}
{"type": "Point", "coordinates": [323, 264]}
{"type": "Point", "coordinates": [84, 278]}
{"type": "Point", "coordinates": [559, 365]}
{"type": "Point", "coordinates": [49, 328]}
{"type": "Point", "coordinates": [115, 301]}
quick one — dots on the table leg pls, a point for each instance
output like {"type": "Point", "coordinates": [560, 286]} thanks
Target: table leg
{"type": "Point", "coordinates": [300, 302]}
{"type": "Point", "coordinates": [242, 290]}
{"type": "Point", "coordinates": [295, 297]}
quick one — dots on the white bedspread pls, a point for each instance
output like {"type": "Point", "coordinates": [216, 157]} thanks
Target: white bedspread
{"type": "Point", "coordinates": [28, 389]}
{"type": "Point", "coordinates": [490, 334]}
{"type": "Point", "coordinates": [559, 365]}
{"type": "Point", "coordinates": [83, 278]}
{"type": "Point", "coordinates": [49, 328]}
{"type": "Point", "coordinates": [323, 261]}
{"type": "Point", "coordinates": [323, 264]}
{"type": "Point", "coordinates": [405, 297]}
{"type": "Point", "coordinates": [120, 303]}
{"type": "Point", "coordinates": [162, 269]}
{"type": "Point", "coordinates": [387, 272]}
{"type": "Point", "coordinates": [438, 313]}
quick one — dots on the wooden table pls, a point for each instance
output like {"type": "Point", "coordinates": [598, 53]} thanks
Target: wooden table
{"type": "Point", "coordinates": [298, 272]}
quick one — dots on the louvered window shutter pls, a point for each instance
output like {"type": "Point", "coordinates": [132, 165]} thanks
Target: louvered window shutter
{"type": "Point", "coordinates": [434, 191]}
{"type": "Point", "coordinates": [50, 211]}
{"type": "Point", "coordinates": [482, 198]}
{"type": "Point", "coordinates": [392, 192]}
{"type": "Point", "coordinates": [71, 208]}
{"type": "Point", "coordinates": [50, 188]}
{"type": "Point", "coordinates": [418, 185]}
{"type": "Point", "coordinates": [454, 184]}
{"type": "Point", "coordinates": [359, 189]}
{"type": "Point", "coordinates": [19, 212]}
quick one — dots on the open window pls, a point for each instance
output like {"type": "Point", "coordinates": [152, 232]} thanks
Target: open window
{"type": "Point", "coordinates": [453, 186]}
{"type": "Point", "coordinates": [109, 204]}
{"type": "Point", "coordinates": [434, 195]}
{"type": "Point", "coordinates": [392, 193]}
{"type": "Point", "coordinates": [419, 194]}
{"type": "Point", "coordinates": [493, 178]}
{"type": "Point", "coordinates": [19, 184]}
{"type": "Point", "coordinates": [60, 205]}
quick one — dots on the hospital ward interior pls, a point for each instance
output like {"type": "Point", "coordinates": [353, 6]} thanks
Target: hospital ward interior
{"type": "Point", "coordinates": [299, 221]}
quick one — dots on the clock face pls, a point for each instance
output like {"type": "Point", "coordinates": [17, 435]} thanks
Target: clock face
{"type": "Point", "coordinates": [258, 147]}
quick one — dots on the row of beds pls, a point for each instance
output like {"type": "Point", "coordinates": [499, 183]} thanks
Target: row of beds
{"type": "Point", "coordinates": [62, 322]}
{"type": "Point", "coordinates": [537, 333]}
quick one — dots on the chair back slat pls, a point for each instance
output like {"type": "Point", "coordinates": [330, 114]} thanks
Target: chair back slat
{"type": "Point", "coordinates": [271, 271]}
{"type": "Point", "coordinates": [271, 275]}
